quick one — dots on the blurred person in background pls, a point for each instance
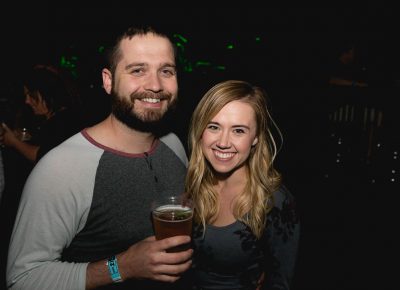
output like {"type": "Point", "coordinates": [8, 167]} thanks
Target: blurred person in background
{"type": "Point", "coordinates": [345, 71]}
{"type": "Point", "coordinates": [54, 100]}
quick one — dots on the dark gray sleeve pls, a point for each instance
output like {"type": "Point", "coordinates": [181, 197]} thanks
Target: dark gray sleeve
{"type": "Point", "coordinates": [280, 241]}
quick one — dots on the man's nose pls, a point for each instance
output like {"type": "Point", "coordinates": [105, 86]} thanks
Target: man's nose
{"type": "Point", "coordinates": [153, 83]}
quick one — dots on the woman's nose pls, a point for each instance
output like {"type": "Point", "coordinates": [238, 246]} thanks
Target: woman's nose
{"type": "Point", "coordinates": [223, 141]}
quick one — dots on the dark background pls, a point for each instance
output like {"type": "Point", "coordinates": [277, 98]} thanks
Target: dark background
{"type": "Point", "coordinates": [346, 206]}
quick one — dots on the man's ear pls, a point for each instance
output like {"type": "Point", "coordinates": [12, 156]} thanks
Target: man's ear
{"type": "Point", "coordinates": [107, 80]}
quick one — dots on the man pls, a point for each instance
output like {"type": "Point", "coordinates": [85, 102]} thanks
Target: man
{"type": "Point", "coordinates": [84, 217]}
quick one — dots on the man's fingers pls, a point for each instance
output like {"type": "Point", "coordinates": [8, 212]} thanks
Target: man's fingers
{"type": "Point", "coordinates": [150, 239]}
{"type": "Point", "coordinates": [166, 278]}
{"type": "Point", "coordinates": [174, 270]}
{"type": "Point", "coordinates": [175, 258]}
{"type": "Point", "coordinates": [173, 242]}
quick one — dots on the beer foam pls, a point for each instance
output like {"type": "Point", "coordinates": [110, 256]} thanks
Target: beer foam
{"type": "Point", "coordinates": [172, 207]}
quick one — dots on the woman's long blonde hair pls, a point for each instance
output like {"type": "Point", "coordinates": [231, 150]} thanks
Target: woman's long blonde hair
{"type": "Point", "coordinates": [253, 204]}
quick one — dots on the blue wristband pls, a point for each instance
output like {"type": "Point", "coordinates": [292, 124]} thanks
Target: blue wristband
{"type": "Point", "coordinates": [113, 269]}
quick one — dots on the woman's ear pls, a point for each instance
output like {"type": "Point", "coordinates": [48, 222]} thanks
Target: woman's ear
{"type": "Point", "coordinates": [255, 141]}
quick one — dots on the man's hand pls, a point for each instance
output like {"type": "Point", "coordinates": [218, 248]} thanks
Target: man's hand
{"type": "Point", "coordinates": [146, 259]}
{"type": "Point", "coordinates": [149, 259]}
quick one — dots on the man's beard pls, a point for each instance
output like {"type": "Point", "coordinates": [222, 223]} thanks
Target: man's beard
{"type": "Point", "coordinates": [153, 121]}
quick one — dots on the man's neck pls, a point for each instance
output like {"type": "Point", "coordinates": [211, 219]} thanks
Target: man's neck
{"type": "Point", "coordinates": [114, 134]}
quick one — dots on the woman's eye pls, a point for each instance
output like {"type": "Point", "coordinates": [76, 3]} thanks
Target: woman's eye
{"type": "Point", "coordinates": [212, 127]}
{"type": "Point", "coordinates": [239, 131]}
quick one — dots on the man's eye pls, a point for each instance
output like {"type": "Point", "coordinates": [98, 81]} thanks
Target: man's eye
{"type": "Point", "coordinates": [168, 72]}
{"type": "Point", "coordinates": [135, 71]}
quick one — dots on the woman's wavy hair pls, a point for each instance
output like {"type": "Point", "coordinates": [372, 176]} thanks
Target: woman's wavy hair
{"type": "Point", "coordinates": [253, 204]}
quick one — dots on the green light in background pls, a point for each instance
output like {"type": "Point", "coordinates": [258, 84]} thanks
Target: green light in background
{"type": "Point", "coordinates": [179, 45]}
{"type": "Point", "coordinates": [258, 39]}
{"type": "Point", "coordinates": [180, 41]}
{"type": "Point", "coordinates": [188, 67]}
{"type": "Point", "coordinates": [70, 63]}
{"type": "Point", "coordinates": [177, 35]}
{"type": "Point", "coordinates": [101, 49]}
{"type": "Point", "coordinates": [229, 46]}
{"type": "Point", "coordinates": [202, 63]}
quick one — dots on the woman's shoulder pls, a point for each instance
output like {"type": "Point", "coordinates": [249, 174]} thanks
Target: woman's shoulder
{"type": "Point", "coordinates": [282, 196]}
{"type": "Point", "coordinates": [284, 214]}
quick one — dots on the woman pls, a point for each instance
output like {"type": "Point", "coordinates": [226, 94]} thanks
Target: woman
{"type": "Point", "coordinates": [51, 97]}
{"type": "Point", "coordinates": [247, 230]}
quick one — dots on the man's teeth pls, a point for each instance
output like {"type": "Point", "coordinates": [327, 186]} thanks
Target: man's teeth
{"type": "Point", "coordinates": [224, 155]}
{"type": "Point", "coordinates": [151, 100]}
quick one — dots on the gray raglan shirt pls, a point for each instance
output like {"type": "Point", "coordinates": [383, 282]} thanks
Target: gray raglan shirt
{"type": "Point", "coordinates": [84, 202]}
